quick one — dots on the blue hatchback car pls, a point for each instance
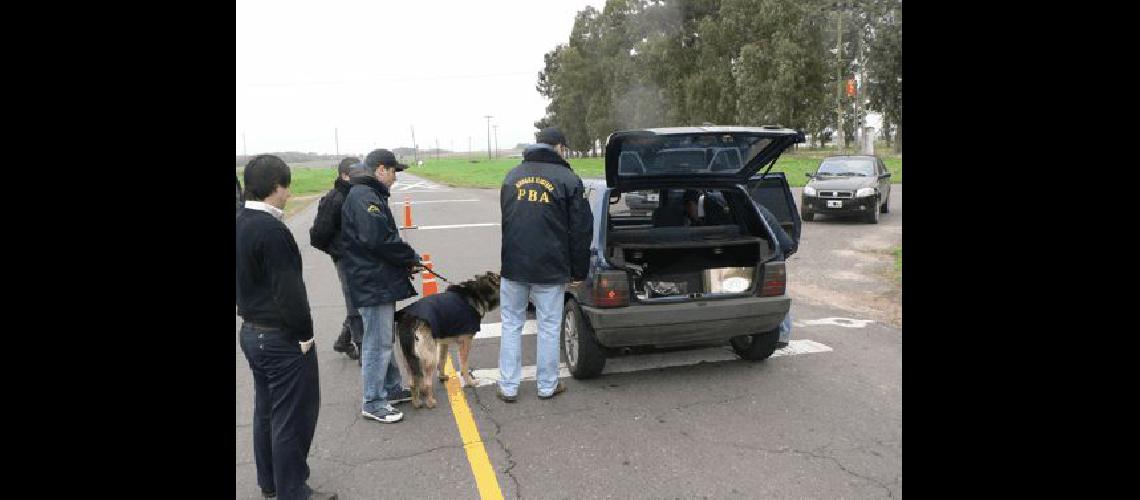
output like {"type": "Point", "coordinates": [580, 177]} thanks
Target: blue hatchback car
{"type": "Point", "coordinates": [680, 254]}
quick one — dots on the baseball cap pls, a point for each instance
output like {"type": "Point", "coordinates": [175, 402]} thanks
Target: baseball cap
{"type": "Point", "coordinates": [383, 157]}
{"type": "Point", "coordinates": [551, 136]}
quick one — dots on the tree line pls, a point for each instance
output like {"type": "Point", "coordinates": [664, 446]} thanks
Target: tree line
{"type": "Point", "coordinates": [656, 63]}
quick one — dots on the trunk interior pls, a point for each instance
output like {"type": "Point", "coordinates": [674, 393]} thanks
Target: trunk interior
{"type": "Point", "coordinates": [669, 258]}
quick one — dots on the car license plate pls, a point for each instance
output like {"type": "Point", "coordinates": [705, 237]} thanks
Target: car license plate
{"type": "Point", "coordinates": [834, 203]}
{"type": "Point", "coordinates": [652, 197]}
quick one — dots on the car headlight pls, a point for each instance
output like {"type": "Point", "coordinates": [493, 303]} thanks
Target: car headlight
{"type": "Point", "coordinates": [865, 192]}
{"type": "Point", "coordinates": [809, 191]}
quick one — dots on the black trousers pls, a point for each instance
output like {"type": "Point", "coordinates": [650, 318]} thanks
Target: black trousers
{"type": "Point", "coordinates": [287, 399]}
{"type": "Point", "coordinates": [353, 326]}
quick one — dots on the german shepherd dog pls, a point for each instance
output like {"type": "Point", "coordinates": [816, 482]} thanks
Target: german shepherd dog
{"type": "Point", "coordinates": [425, 353]}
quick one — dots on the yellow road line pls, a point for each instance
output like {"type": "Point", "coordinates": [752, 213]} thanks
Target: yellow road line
{"type": "Point", "coordinates": [485, 478]}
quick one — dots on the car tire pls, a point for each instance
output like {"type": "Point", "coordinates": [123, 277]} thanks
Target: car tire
{"type": "Point", "coordinates": [873, 216]}
{"type": "Point", "coordinates": [756, 347]}
{"type": "Point", "coordinates": [886, 207]}
{"type": "Point", "coordinates": [584, 357]}
{"type": "Point", "coordinates": [807, 216]}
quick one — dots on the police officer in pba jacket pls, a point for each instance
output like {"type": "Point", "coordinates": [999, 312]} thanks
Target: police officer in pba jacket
{"type": "Point", "coordinates": [378, 265]}
{"type": "Point", "coordinates": [547, 226]}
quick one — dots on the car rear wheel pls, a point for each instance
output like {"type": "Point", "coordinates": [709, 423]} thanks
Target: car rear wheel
{"type": "Point", "coordinates": [756, 347]}
{"type": "Point", "coordinates": [807, 216]}
{"type": "Point", "coordinates": [886, 207]}
{"type": "Point", "coordinates": [584, 357]}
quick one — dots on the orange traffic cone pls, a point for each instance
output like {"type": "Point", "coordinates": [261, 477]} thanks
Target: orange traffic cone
{"type": "Point", "coordinates": [408, 213]}
{"type": "Point", "coordinates": [430, 287]}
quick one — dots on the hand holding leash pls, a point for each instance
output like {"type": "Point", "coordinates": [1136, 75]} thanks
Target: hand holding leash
{"type": "Point", "coordinates": [419, 266]}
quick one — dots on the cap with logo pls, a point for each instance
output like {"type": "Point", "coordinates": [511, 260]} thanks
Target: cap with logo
{"type": "Point", "coordinates": [383, 157]}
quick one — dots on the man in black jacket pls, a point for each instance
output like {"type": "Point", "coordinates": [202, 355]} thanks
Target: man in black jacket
{"type": "Point", "coordinates": [324, 235]}
{"type": "Point", "coordinates": [547, 226]}
{"type": "Point", "coordinates": [377, 265]}
{"type": "Point", "coordinates": [276, 334]}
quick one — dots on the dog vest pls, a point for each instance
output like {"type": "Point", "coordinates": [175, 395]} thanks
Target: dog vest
{"type": "Point", "coordinates": [447, 313]}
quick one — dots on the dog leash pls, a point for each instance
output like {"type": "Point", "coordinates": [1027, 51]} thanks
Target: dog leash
{"type": "Point", "coordinates": [428, 269]}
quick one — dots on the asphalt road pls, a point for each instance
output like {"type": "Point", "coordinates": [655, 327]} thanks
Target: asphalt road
{"type": "Point", "coordinates": [682, 424]}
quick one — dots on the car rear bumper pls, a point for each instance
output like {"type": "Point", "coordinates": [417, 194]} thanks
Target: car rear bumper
{"type": "Point", "coordinates": [813, 204]}
{"type": "Point", "coordinates": [686, 322]}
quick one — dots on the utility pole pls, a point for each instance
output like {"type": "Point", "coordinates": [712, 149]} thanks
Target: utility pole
{"type": "Point", "coordinates": [336, 139]}
{"type": "Point", "coordinates": [468, 145]}
{"type": "Point", "coordinates": [415, 150]}
{"type": "Point", "coordinates": [868, 134]}
{"type": "Point", "coordinates": [437, 148]}
{"type": "Point", "coordinates": [839, 82]}
{"type": "Point", "coordinates": [243, 151]}
{"type": "Point", "coordinates": [496, 127]}
{"type": "Point", "coordinates": [488, 117]}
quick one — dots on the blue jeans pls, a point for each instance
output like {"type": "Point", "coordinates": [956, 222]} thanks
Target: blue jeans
{"type": "Point", "coordinates": [377, 368]}
{"type": "Point", "coordinates": [548, 301]}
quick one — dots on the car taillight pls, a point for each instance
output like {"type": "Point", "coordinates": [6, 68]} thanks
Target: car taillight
{"type": "Point", "coordinates": [775, 280]}
{"type": "Point", "coordinates": [611, 289]}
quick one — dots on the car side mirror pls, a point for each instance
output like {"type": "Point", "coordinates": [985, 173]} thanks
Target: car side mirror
{"type": "Point", "coordinates": [809, 174]}
{"type": "Point", "coordinates": [885, 176]}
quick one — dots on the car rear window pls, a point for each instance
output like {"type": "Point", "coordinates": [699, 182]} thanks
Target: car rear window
{"type": "Point", "coordinates": [695, 154]}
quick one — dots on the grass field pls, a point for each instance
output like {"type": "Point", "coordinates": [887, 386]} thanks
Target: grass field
{"type": "Point", "coordinates": [317, 177]}
{"type": "Point", "coordinates": [484, 173]}
{"type": "Point", "coordinates": [307, 180]}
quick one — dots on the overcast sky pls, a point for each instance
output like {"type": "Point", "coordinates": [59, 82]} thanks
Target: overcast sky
{"type": "Point", "coordinates": [373, 69]}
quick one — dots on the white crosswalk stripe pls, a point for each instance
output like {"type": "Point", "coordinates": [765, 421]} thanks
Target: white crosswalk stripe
{"type": "Point", "coordinates": [492, 330]}
{"type": "Point", "coordinates": [418, 186]}
{"type": "Point", "coordinates": [641, 362]}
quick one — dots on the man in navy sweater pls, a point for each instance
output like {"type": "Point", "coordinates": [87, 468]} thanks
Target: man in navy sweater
{"type": "Point", "coordinates": [276, 334]}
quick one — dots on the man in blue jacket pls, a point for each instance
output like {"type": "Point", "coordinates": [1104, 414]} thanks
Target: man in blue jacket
{"type": "Point", "coordinates": [547, 226]}
{"type": "Point", "coordinates": [377, 265]}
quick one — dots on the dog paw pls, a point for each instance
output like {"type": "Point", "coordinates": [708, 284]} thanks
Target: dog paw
{"type": "Point", "coordinates": [416, 404]}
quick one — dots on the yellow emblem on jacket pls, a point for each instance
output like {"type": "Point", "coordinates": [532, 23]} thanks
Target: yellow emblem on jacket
{"type": "Point", "coordinates": [373, 208]}
{"type": "Point", "coordinates": [534, 195]}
